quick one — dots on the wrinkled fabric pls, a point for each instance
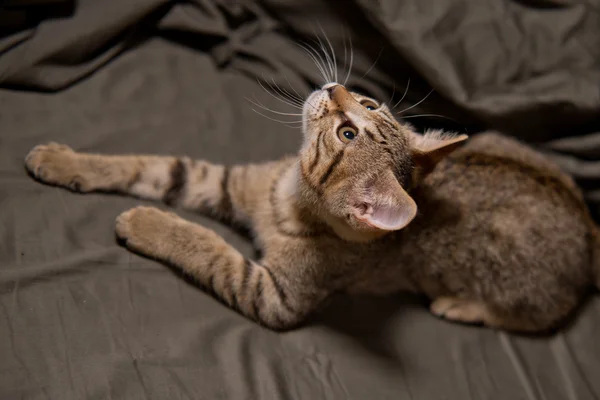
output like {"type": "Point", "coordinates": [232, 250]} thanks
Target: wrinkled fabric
{"type": "Point", "coordinates": [81, 317]}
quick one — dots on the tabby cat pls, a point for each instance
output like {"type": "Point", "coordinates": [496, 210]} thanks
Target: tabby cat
{"type": "Point", "coordinates": [489, 229]}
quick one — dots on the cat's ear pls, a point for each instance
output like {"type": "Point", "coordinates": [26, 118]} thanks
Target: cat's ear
{"type": "Point", "coordinates": [387, 206]}
{"type": "Point", "coordinates": [431, 147]}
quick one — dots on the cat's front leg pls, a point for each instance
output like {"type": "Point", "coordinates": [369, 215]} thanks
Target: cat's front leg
{"type": "Point", "coordinates": [142, 176]}
{"type": "Point", "coordinates": [57, 164]}
{"type": "Point", "coordinates": [258, 291]}
{"type": "Point", "coordinates": [232, 193]}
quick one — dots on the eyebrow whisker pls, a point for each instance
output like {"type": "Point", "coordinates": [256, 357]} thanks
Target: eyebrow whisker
{"type": "Point", "coordinates": [403, 96]}
{"type": "Point", "coordinates": [429, 115]}
{"type": "Point", "coordinates": [332, 53]}
{"type": "Point", "coordinates": [351, 60]}
{"type": "Point", "coordinates": [416, 104]}
{"type": "Point", "coordinates": [374, 63]}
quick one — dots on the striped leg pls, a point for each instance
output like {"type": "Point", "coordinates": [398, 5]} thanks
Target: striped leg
{"type": "Point", "coordinates": [198, 185]}
{"type": "Point", "coordinates": [255, 290]}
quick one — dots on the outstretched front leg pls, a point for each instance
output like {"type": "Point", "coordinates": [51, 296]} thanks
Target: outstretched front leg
{"type": "Point", "coordinates": [261, 292]}
{"type": "Point", "coordinates": [225, 192]}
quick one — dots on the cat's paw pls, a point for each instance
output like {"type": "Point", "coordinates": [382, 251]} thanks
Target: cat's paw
{"type": "Point", "coordinates": [441, 305]}
{"type": "Point", "coordinates": [55, 164]}
{"type": "Point", "coordinates": [459, 310]}
{"type": "Point", "coordinates": [146, 229]}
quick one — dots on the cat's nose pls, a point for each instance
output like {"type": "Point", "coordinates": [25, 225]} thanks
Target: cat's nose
{"type": "Point", "coordinates": [340, 95]}
{"type": "Point", "coordinates": [330, 87]}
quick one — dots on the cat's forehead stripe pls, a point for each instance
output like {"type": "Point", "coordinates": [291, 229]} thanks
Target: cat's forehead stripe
{"type": "Point", "coordinates": [336, 160]}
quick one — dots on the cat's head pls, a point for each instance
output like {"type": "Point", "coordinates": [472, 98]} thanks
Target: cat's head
{"type": "Point", "coordinates": [358, 163]}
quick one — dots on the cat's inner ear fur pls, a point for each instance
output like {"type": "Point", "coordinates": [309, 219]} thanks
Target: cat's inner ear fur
{"type": "Point", "coordinates": [431, 147]}
{"type": "Point", "coordinates": [386, 204]}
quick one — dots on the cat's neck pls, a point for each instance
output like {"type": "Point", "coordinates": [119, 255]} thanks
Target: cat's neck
{"type": "Point", "coordinates": [294, 211]}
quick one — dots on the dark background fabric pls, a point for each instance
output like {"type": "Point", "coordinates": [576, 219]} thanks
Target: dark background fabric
{"type": "Point", "coordinates": [83, 318]}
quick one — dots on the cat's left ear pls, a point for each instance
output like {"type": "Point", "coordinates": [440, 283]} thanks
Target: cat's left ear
{"type": "Point", "coordinates": [431, 147]}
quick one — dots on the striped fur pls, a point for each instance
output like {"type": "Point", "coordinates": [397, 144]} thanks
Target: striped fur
{"type": "Point", "coordinates": [482, 208]}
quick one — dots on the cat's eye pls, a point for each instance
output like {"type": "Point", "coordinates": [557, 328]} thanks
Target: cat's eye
{"type": "Point", "coordinates": [369, 105]}
{"type": "Point", "coordinates": [346, 133]}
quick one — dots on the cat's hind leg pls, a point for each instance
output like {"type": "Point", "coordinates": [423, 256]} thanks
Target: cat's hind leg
{"type": "Point", "coordinates": [459, 310]}
{"type": "Point", "coordinates": [478, 312]}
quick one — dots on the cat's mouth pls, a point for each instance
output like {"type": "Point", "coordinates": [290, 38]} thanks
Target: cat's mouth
{"type": "Point", "coordinates": [315, 105]}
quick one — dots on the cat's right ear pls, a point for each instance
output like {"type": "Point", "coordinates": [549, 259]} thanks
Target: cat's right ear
{"type": "Point", "coordinates": [387, 206]}
{"type": "Point", "coordinates": [430, 148]}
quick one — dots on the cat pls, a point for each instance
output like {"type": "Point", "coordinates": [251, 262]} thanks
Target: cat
{"type": "Point", "coordinates": [490, 230]}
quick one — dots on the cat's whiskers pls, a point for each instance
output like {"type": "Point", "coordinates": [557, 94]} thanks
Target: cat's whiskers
{"type": "Point", "coordinates": [325, 58]}
{"type": "Point", "coordinates": [393, 93]}
{"type": "Point", "coordinates": [429, 115]}
{"type": "Point", "coordinates": [298, 94]}
{"type": "Point", "coordinates": [291, 99]}
{"type": "Point", "coordinates": [316, 58]}
{"type": "Point", "coordinates": [290, 124]}
{"type": "Point", "coordinates": [283, 96]}
{"type": "Point", "coordinates": [351, 59]}
{"type": "Point", "coordinates": [403, 95]}
{"type": "Point", "coordinates": [374, 63]}
{"type": "Point", "coordinates": [331, 56]}
{"type": "Point", "coordinates": [257, 103]}
{"type": "Point", "coordinates": [287, 94]}
{"type": "Point", "coordinates": [278, 91]}
{"type": "Point", "coordinates": [345, 49]}
{"type": "Point", "coordinates": [277, 97]}
{"type": "Point", "coordinates": [416, 104]}
{"type": "Point", "coordinates": [296, 99]}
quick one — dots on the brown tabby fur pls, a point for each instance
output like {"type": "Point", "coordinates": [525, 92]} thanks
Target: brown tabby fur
{"type": "Point", "coordinates": [499, 235]}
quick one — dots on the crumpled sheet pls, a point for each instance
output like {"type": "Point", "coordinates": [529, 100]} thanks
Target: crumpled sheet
{"type": "Point", "coordinates": [84, 318]}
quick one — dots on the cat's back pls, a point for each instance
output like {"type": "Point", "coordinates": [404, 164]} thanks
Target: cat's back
{"type": "Point", "coordinates": [498, 208]}
{"type": "Point", "coordinates": [504, 150]}
{"type": "Point", "coordinates": [492, 170]}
